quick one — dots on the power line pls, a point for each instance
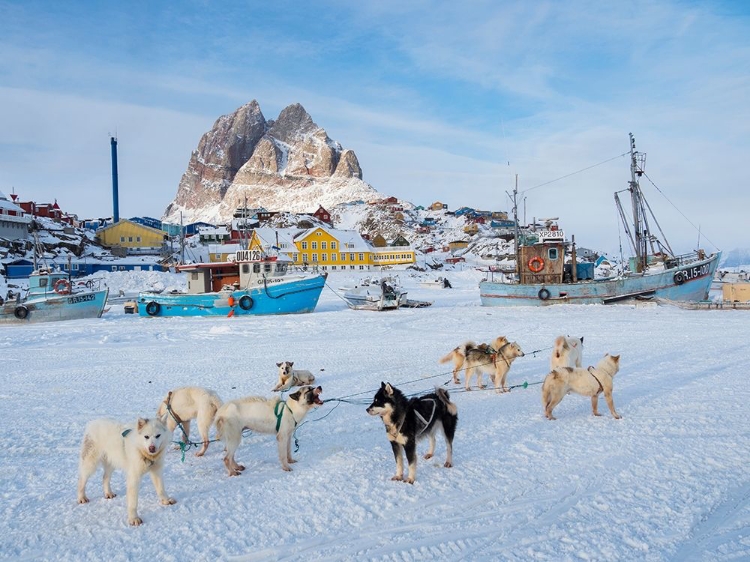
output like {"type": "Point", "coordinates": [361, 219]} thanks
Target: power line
{"type": "Point", "coordinates": [574, 173]}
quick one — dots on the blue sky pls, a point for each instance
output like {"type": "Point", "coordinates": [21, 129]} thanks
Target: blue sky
{"type": "Point", "coordinates": [439, 100]}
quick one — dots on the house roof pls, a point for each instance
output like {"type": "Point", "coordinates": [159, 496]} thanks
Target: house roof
{"type": "Point", "coordinates": [121, 221]}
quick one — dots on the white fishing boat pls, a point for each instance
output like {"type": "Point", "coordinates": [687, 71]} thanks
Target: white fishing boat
{"type": "Point", "coordinates": [53, 296]}
{"type": "Point", "coordinates": [437, 283]}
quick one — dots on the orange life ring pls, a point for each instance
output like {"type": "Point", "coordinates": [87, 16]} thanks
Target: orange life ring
{"type": "Point", "coordinates": [536, 264]}
{"type": "Point", "coordinates": [62, 287]}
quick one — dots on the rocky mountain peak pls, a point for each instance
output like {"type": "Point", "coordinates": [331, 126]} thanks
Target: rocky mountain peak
{"type": "Point", "coordinates": [287, 164]}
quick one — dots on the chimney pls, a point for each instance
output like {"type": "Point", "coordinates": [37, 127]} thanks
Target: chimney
{"type": "Point", "coordinates": [115, 196]}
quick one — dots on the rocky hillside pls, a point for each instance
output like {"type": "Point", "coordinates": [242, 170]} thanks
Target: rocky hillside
{"type": "Point", "coordinates": [287, 164]}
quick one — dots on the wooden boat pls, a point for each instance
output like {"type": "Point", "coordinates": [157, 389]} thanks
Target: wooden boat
{"type": "Point", "coordinates": [253, 283]}
{"type": "Point", "coordinates": [543, 278]}
{"type": "Point", "coordinates": [54, 296]}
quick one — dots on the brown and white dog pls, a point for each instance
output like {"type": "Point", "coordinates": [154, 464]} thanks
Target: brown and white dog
{"type": "Point", "coordinates": [190, 403]}
{"type": "Point", "coordinates": [495, 363]}
{"type": "Point", "coordinates": [458, 354]}
{"type": "Point", "coordinates": [137, 450]}
{"type": "Point", "coordinates": [264, 415]}
{"type": "Point", "coordinates": [586, 382]}
{"type": "Point", "coordinates": [567, 352]}
{"type": "Point", "coordinates": [289, 377]}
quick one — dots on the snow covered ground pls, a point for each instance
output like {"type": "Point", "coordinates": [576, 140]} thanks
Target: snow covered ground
{"type": "Point", "coordinates": [670, 481]}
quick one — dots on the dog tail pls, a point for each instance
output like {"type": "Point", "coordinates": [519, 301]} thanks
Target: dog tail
{"type": "Point", "coordinates": [560, 345]}
{"type": "Point", "coordinates": [449, 357]}
{"type": "Point", "coordinates": [445, 398]}
{"type": "Point", "coordinates": [219, 422]}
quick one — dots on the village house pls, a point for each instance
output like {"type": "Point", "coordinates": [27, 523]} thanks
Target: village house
{"type": "Point", "coordinates": [130, 237]}
{"type": "Point", "coordinates": [14, 222]}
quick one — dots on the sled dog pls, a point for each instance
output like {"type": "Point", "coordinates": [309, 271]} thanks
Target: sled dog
{"type": "Point", "coordinates": [586, 382]}
{"type": "Point", "coordinates": [136, 450]}
{"type": "Point", "coordinates": [289, 377]}
{"type": "Point", "coordinates": [408, 420]}
{"type": "Point", "coordinates": [495, 363]}
{"type": "Point", "coordinates": [567, 352]}
{"type": "Point", "coordinates": [264, 415]}
{"type": "Point", "coordinates": [190, 403]}
{"type": "Point", "coordinates": [458, 354]}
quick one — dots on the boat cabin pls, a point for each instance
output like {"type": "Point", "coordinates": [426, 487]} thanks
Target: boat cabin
{"type": "Point", "coordinates": [542, 263]}
{"type": "Point", "coordinates": [248, 269]}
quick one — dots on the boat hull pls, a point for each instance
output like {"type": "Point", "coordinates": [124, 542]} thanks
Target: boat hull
{"type": "Point", "coordinates": [55, 307]}
{"type": "Point", "coordinates": [293, 297]}
{"type": "Point", "coordinates": [685, 283]}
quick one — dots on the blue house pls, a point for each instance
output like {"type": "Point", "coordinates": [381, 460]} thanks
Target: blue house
{"type": "Point", "coordinates": [148, 221]}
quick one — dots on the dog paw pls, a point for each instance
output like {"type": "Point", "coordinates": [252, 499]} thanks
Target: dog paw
{"type": "Point", "coordinates": [83, 499]}
{"type": "Point", "coordinates": [240, 467]}
{"type": "Point", "coordinates": [428, 456]}
{"type": "Point", "coordinates": [292, 460]}
{"type": "Point", "coordinates": [618, 417]}
{"type": "Point", "coordinates": [448, 464]}
{"type": "Point", "coordinates": [168, 501]}
{"type": "Point", "coordinates": [135, 521]}
{"type": "Point", "coordinates": [200, 453]}
{"type": "Point", "coordinates": [110, 495]}
{"type": "Point", "coordinates": [409, 480]}
{"type": "Point", "coordinates": [397, 478]}
{"type": "Point", "coordinates": [286, 468]}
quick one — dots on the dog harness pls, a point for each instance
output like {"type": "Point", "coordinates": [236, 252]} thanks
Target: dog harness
{"type": "Point", "coordinates": [175, 417]}
{"type": "Point", "coordinates": [500, 353]}
{"type": "Point", "coordinates": [421, 418]}
{"type": "Point", "coordinates": [601, 388]}
{"type": "Point", "coordinates": [278, 411]}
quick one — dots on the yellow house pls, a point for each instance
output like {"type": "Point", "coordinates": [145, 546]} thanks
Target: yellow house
{"type": "Point", "coordinates": [134, 237]}
{"type": "Point", "coordinates": [471, 228]}
{"type": "Point", "coordinates": [457, 245]}
{"type": "Point", "coordinates": [438, 206]}
{"type": "Point", "coordinates": [330, 249]}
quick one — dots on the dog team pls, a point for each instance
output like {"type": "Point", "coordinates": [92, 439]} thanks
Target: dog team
{"type": "Point", "coordinates": [140, 449]}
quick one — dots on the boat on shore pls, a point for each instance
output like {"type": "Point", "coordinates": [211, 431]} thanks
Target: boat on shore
{"type": "Point", "coordinates": [542, 276]}
{"type": "Point", "coordinates": [54, 296]}
{"type": "Point", "coordinates": [375, 294]}
{"type": "Point", "coordinates": [253, 283]}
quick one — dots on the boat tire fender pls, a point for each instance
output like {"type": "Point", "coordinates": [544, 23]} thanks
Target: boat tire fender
{"type": "Point", "coordinates": [543, 294]}
{"type": "Point", "coordinates": [536, 264]}
{"type": "Point", "coordinates": [21, 312]}
{"type": "Point", "coordinates": [152, 308]}
{"type": "Point", "coordinates": [246, 302]}
{"type": "Point", "coordinates": [678, 278]}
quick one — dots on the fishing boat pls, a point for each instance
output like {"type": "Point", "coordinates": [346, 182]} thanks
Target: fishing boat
{"type": "Point", "coordinates": [52, 296]}
{"type": "Point", "coordinates": [542, 276]}
{"type": "Point", "coordinates": [252, 282]}
{"type": "Point", "coordinates": [437, 283]}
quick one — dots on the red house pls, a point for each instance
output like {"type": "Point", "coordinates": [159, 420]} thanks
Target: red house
{"type": "Point", "coordinates": [323, 215]}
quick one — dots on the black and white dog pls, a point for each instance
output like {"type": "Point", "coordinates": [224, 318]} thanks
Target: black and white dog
{"type": "Point", "coordinates": [408, 420]}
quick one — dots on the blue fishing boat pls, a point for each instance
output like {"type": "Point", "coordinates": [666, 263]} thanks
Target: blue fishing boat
{"type": "Point", "coordinates": [542, 276]}
{"type": "Point", "coordinates": [52, 296]}
{"type": "Point", "coordinates": [253, 283]}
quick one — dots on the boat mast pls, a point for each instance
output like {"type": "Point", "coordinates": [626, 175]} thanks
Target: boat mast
{"type": "Point", "coordinates": [640, 237]}
{"type": "Point", "coordinates": [515, 222]}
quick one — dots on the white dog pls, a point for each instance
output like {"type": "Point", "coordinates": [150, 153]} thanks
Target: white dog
{"type": "Point", "coordinates": [586, 382]}
{"type": "Point", "coordinates": [567, 352]}
{"type": "Point", "coordinates": [136, 450]}
{"type": "Point", "coordinates": [289, 377]}
{"type": "Point", "coordinates": [264, 415]}
{"type": "Point", "coordinates": [188, 403]}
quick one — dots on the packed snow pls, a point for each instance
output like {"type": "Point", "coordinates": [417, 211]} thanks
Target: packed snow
{"type": "Point", "coordinates": [669, 481]}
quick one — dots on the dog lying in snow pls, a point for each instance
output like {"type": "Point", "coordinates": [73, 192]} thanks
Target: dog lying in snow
{"type": "Point", "coordinates": [586, 382]}
{"type": "Point", "coordinates": [289, 377]}
{"type": "Point", "coordinates": [494, 362]}
{"type": "Point", "coordinates": [458, 354]}
{"type": "Point", "coordinates": [137, 450]}
{"type": "Point", "coordinates": [264, 415]}
{"type": "Point", "coordinates": [190, 403]}
{"type": "Point", "coordinates": [567, 352]}
{"type": "Point", "coordinates": [409, 420]}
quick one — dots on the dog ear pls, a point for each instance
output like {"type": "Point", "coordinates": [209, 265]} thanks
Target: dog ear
{"type": "Point", "coordinates": [291, 363]}
{"type": "Point", "coordinates": [295, 396]}
{"type": "Point", "coordinates": [615, 358]}
{"type": "Point", "coordinates": [389, 389]}
{"type": "Point", "coordinates": [382, 385]}
{"type": "Point", "coordinates": [141, 423]}
{"type": "Point", "coordinates": [581, 340]}
{"type": "Point", "coordinates": [278, 364]}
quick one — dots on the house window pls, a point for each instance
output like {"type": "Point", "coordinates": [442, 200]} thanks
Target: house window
{"type": "Point", "coordinates": [130, 238]}
{"type": "Point", "coordinates": [75, 267]}
{"type": "Point", "coordinates": [343, 257]}
{"type": "Point", "coordinates": [351, 267]}
{"type": "Point", "coordinates": [314, 245]}
{"type": "Point", "coordinates": [323, 245]}
{"type": "Point", "coordinates": [122, 268]}
{"type": "Point", "coordinates": [137, 238]}
{"type": "Point", "coordinates": [317, 234]}
{"type": "Point", "coordinates": [323, 257]}
{"type": "Point", "coordinates": [304, 245]}
{"type": "Point", "coordinates": [351, 257]}
{"type": "Point", "coordinates": [361, 257]}
{"type": "Point", "coordinates": [333, 245]}
{"type": "Point", "coordinates": [333, 267]}
{"type": "Point", "coordinates": [295, 257]}
{"type": "Point", "coordinates": [552, 253]}
{"type": "Point", "coordinates": [333, 257]}
{"type": "Point", "coordinates": [315, 258]}
{"type": "Point", "coordinates": [114, 268]}
{"type": "Point", "coordinates": [361, 267]}
{"type": "Point", "coordinates": [217, 257]}
{"type": "Point", "coordinates": [122, 239]}
{"type": "Point", "coordinates": [304, 258]}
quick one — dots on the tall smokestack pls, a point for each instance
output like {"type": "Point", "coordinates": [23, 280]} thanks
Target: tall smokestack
{"type": "Point", "coordinates": [115, 196]}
